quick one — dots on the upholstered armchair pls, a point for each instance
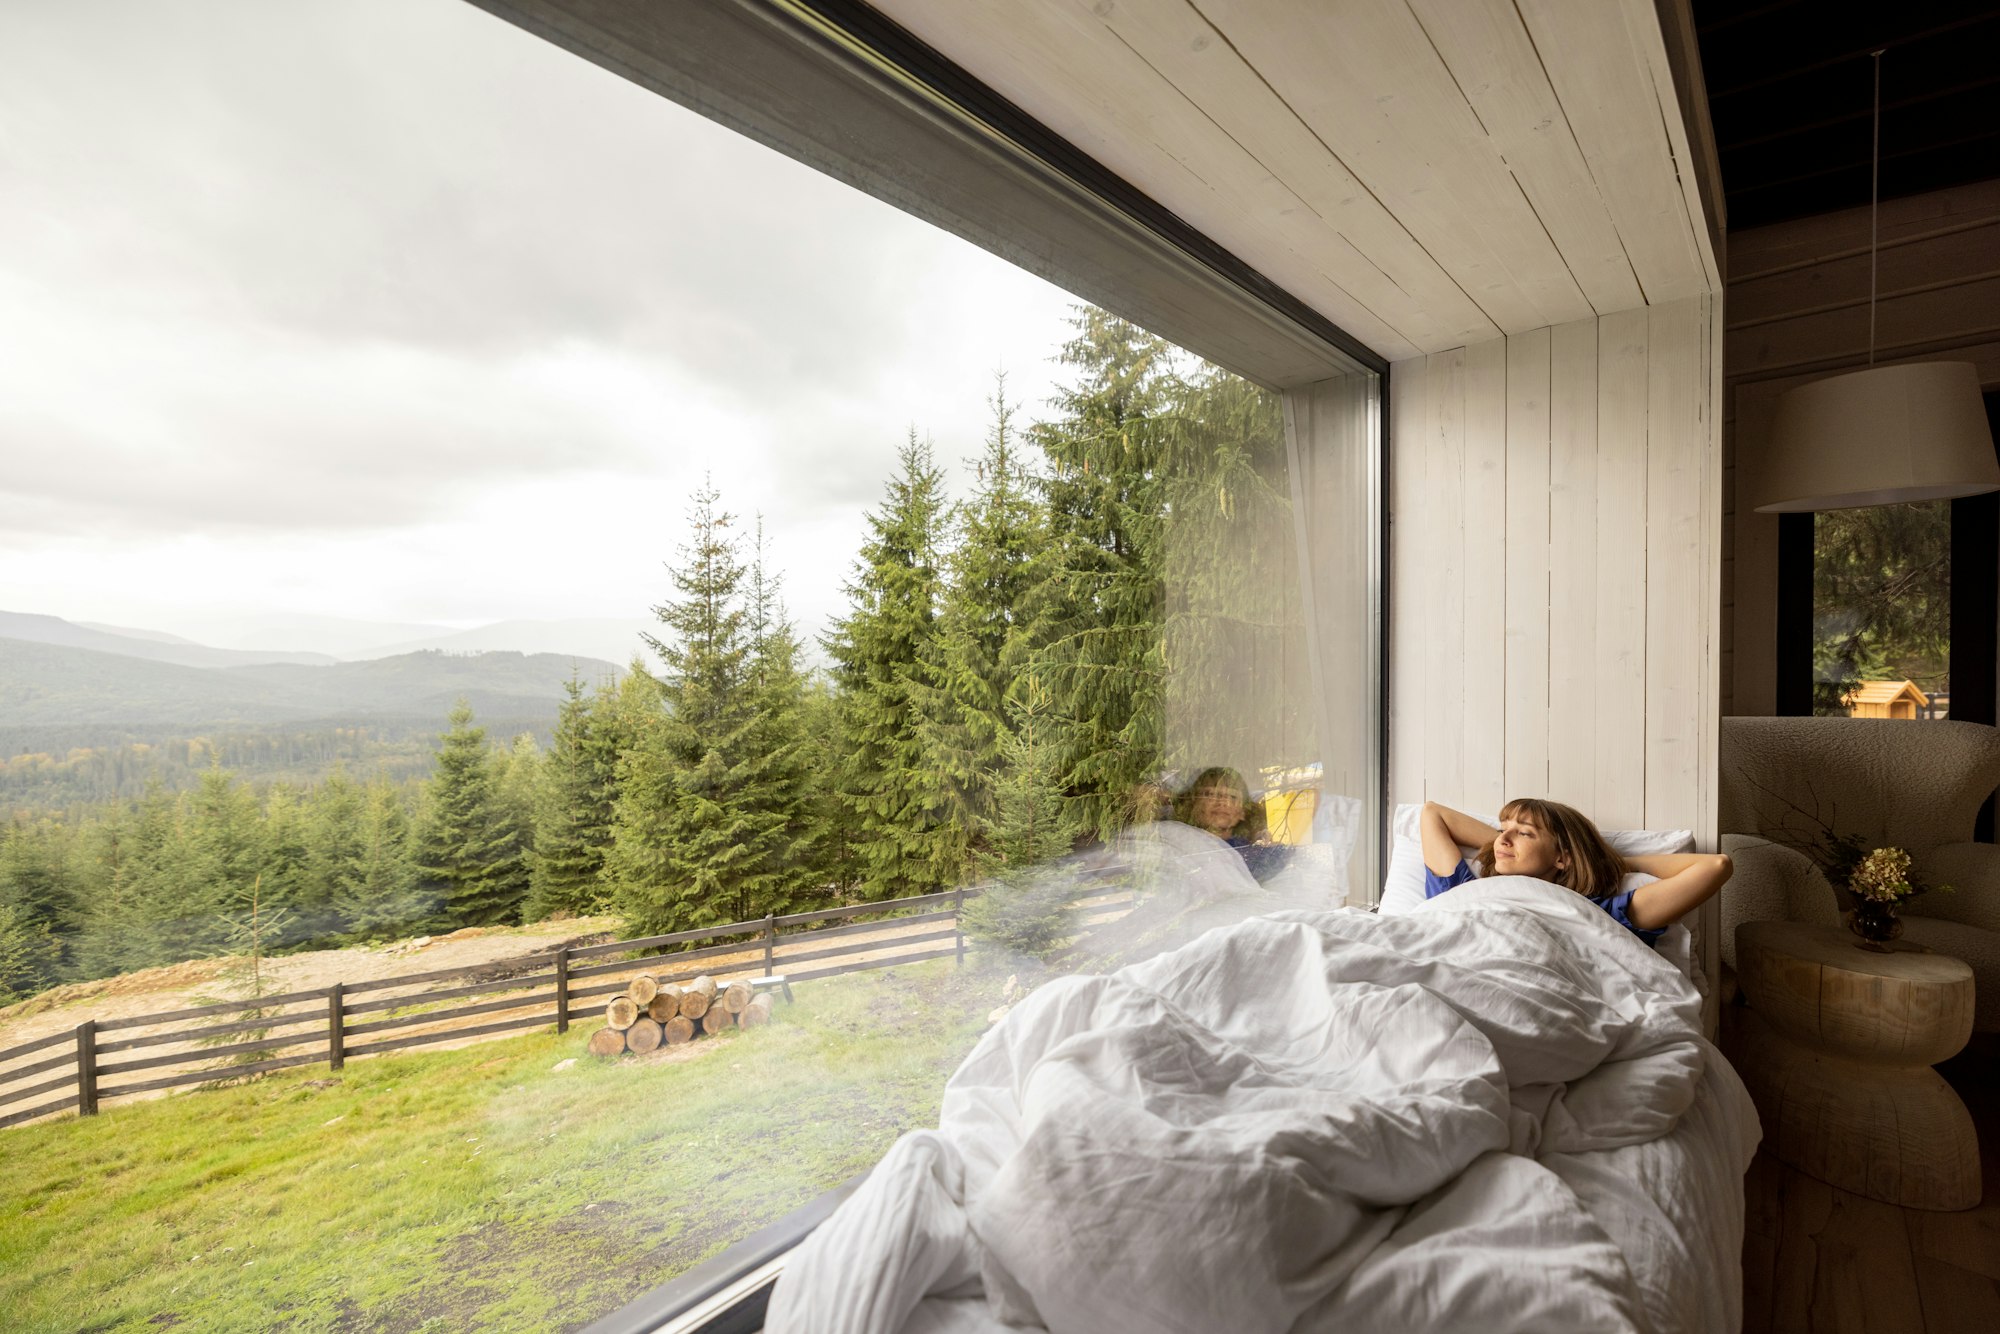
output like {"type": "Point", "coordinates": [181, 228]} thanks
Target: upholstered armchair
{"type": "Point", "coordinates": [1913, 785]}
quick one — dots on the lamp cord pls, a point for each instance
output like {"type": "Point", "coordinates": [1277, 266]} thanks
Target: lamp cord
{"type": "Point", "coordinates": [1874, 204]}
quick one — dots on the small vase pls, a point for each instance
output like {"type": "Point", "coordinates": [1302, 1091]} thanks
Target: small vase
{"type": "Point", "coordinates": [1875, 921]}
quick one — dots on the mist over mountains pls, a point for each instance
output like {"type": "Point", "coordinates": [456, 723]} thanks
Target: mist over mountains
{"type": "Point", "coordinates": [74, 693]}
{"type": "Point", "coordinates": [54, 671]}
{"type": "Point", "coordinates": [244, 640]}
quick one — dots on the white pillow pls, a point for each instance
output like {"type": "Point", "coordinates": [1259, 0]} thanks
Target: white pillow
{"type": "Point", "coordinates": [1403, 886]}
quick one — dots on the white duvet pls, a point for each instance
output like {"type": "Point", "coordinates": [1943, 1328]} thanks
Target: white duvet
{"type": "Point", "coordinates": [1496, 1113]}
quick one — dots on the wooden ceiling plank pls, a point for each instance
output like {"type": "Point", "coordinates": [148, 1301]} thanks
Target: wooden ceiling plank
{"type": "Point", "coordinates": [1489, 53]}
{"type": "Point", "coordinates": [1917, 264]}
{"type": "Point", "coordinates": [1179, 43]}
{"type": "Point", "coordinates": [1065, 68]}
{"type": "Point", "coordinates": [1605, 84]}
{"type": "Point", "coordinates": [1364, 78]}
{"type": "Point", "coordinates": [1965, 312]}
{"type": "Point", "coordinates": [1809, 242]}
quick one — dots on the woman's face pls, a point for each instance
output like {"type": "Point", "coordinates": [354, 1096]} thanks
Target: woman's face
{"type": "Point", "coordinates": [1523, 848]}
{"type": "Point", "coordinates": [1218, 807]}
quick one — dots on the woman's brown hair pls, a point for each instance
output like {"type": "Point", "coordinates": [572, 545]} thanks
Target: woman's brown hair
{"type": "Point", "coordinates": [1589, 866]}
{"type": "Point", "coordinates": [1250, 825]}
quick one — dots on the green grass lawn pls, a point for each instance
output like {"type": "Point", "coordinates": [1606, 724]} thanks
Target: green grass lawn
{"type": "Point", "coordinates": [476, 1189]}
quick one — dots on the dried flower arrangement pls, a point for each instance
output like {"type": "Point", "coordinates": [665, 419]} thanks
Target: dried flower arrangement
{"type": "Point", "coordinates": [1879, 878]}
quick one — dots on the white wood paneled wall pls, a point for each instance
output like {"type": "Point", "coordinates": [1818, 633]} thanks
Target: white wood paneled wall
{"type": "Point", "coordinates": [1554, 561]}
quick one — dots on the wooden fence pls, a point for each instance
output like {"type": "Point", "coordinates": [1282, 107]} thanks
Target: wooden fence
{"type": "Point", "coordinates": [337, 1023]}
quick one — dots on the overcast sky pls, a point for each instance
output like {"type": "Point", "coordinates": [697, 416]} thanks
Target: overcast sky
{"type": "Point", "coordinates": [385, 309]}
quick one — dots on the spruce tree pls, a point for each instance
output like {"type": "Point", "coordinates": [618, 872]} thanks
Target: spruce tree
{"type": "Point", "coordinates": [189, 881]}
{"type": "Point", "coordinates": [331, 844]}
{"type": "Point", "coordinates": [781, 852]}
{"type": "Point", "coordinates": [375, 892]}
{"type": "Point", "coordinates": [980, 644]}
{"type": "Point", "coordinates": [463, 839]}
{"type": "Point", "coordinates": [575, 802]}
{"type": "Point", "coordinates": [29, 957]}
{"type": "Point", "coordinates": [879, 649]}
{"type": "Point", "coordinates": [1098, 604]}
{"type": "Point", "coordinates": [1027, 904]}
{"type": "Point", "coordinates": [517, 775]}
{"type": "Point", "coordinates": [1233, 628]}
{"type": "Point", "coordinates": [685, 812]}
{"type": "Point", "coordinates": [635, 872]}
{"type": "Point", "coordinates": [39, 882]}
{"type": "Point", "coordinates": [253, 928]}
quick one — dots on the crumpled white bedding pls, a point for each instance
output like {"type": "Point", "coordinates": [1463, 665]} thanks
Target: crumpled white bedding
{"type": "Point", "coordinates": [1496, 1113]}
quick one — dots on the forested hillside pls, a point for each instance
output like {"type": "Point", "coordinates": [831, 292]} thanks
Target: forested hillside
{"type": "Point", "coordinates": [45, 684]}
{"type": "Point", "coordinates": [998, 691]}
{"type": "Point", "coordinates": [80, 726]}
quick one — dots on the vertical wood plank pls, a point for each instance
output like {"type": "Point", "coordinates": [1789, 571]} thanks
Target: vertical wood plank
{"type": "Point", "coordinates": [336, 1026]}
{"type": "Point", "coordinates": [1678, 614]}
{"type": "Point", "coordinates": [1619, 799]}
{"type": "Point", "coordinates": [1527, 564]}
{"type": "Point", "coordinates": [562, 989]}
{"type": "Point", "coordinates": [1485, 522]}
{"type": "Point", "coordinates": [1409, 432]}
{"type": "Point", "coordinates": [86, 1068]}
{"type": "Point", "coordinates": [1707, 926]}
{"type": "Point", "coordinates": [1443, 642]}
{"type": "Point", "coordinates": [1572, 715]}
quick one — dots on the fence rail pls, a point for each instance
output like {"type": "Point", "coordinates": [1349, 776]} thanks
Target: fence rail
{"type": "Point", "coordinates": [911, 930]}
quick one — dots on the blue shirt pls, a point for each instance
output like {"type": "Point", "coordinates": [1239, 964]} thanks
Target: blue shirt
{"type": "Point", "coordinates": [1618, 905]}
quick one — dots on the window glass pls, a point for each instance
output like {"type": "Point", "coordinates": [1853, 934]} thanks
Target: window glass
{"type": "Point", "coordinates": [1882, 611]}
{"type": "Point", "coordinates": [562, 669]}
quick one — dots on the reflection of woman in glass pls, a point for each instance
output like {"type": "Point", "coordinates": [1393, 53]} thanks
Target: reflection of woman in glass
{"type": "Point", "coordinates": [1218, 801]}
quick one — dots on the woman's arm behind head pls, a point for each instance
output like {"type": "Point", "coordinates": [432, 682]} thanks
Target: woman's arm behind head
{"type": "Point", "coordinates": [1687, 880]}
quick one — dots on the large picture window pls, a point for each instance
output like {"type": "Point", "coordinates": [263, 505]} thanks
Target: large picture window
{"type": "Point", "coordinates": [563, 667]}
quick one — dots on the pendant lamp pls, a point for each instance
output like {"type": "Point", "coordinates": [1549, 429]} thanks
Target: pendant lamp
{"type": "Point", "coordinates": [1887, 435]}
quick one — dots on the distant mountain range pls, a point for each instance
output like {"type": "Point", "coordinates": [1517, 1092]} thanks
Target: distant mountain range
{"type": "Point", "coordinates": [322, 640]}
{"type": "Point", "coordinates": [150, 645]}
{"type": "Point", "coordinates": [56, 672]}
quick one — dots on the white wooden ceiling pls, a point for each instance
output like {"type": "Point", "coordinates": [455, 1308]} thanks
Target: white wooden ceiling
{"type": "Point", "coordinates": [1425, 173]}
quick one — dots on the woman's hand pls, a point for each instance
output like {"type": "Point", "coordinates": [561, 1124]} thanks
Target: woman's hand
{"type": "Point", "coordinates": [1442, 831]}
{"type": "Point", "coordinates": [1687, 880]}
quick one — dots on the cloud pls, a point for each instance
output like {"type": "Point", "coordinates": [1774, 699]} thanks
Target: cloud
{"type": "Point", "coordinates": [276, 277]}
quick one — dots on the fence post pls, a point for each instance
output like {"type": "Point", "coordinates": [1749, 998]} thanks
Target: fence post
{"type": "Point", "coordinates": [336, 1027]}
{"type": "Point", "coordinates": [770, 940]}
{"type": "Point", "coordinates": [86, 1068]}
{"type": "Point", "coordinates": [562, 989]}
{"type": "Point", "coordinates": [958, 925]}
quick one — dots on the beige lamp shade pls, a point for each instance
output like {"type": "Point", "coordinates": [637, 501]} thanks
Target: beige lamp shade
{"type": "Point", "coordinates": [1883, 436]}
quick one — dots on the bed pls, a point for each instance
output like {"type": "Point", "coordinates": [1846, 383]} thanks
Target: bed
{"type": "Point", "coordinates": [1494, 1112]}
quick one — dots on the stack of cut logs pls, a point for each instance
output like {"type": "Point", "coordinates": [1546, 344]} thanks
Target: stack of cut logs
{"type": "Point", "coordinates": [649, 1016]}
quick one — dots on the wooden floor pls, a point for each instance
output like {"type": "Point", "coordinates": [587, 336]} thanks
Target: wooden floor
{"type": "Point", "coordinates": [1817, 1260]}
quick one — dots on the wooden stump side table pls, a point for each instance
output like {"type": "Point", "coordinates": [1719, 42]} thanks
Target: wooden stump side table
{"type": "Point", "coordinates": [1837, 1050]}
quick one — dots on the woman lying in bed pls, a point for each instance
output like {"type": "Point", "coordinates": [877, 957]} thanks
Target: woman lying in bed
{"type": "Point", "coordinates": [1550, 841]}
